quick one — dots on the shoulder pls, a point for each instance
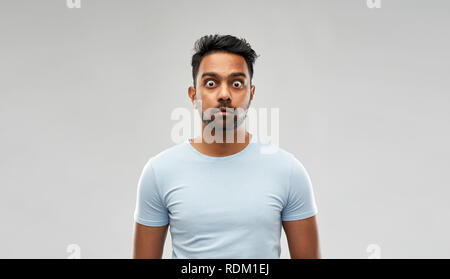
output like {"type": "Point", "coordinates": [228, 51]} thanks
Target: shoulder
{"type": "Point", "coordinates": [281, 160]}
{"type": "Point", "coordinates": [167, 157]}
{"type": "Point", "coordinates": [276, 153]}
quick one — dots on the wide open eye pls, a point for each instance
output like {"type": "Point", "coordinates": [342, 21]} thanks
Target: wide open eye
{"type": "Point", "coordinates": [237, 84]}
{"type": "Point", "coordinates": [210, 83]}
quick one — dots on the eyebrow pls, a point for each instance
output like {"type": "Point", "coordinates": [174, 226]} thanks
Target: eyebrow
{"type": "Point", "coordinates": [238, 74]}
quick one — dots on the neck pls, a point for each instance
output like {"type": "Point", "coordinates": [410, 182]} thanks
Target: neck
{"type": "Point", "coordinates": [223, 144]}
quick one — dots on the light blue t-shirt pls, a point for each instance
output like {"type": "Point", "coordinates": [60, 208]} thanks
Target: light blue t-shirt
{"type": "Point", "coordinates": [224, 207]}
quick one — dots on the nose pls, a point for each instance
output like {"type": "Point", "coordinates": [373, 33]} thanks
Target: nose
{"type": "Point", "coordinates": [224, 96]}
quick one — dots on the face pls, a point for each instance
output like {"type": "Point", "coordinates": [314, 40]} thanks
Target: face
{"type": "Point", "coordinates": [223, 82]}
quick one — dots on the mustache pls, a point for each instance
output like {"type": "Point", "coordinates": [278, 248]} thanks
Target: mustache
{"type": "Point", "coordinates": [218, 109]}
{"type": "Point", "coordinates": [224, 106]}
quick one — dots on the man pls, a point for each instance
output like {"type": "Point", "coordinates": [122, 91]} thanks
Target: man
{"type": "Point", "coordinates": [221, 195]}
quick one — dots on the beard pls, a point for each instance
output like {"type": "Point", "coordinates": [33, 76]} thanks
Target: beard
{"type": "Point", "coordinates": [228, 122]}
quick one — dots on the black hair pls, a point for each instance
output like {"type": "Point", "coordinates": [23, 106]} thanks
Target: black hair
{"type": "Point", "coordinates": [228, 43]}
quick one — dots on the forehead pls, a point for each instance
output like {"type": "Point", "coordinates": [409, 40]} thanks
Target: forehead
{"type": "Point", "coordinates": [223, 63]}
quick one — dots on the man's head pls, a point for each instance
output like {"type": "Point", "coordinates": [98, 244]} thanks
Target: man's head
{"type": "Point", "coordinates": [227, 43]}
{"type": "Point", "coordinates": [222, 71]}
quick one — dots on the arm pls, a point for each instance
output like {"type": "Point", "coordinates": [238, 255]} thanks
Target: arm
{"type": "Point", "coordinates": [303, 238]}
{"type": "Point", "coordinates": [149, 241]}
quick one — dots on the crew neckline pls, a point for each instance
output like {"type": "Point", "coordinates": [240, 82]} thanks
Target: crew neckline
{"type": "Point", "coordinates": [222, 158]}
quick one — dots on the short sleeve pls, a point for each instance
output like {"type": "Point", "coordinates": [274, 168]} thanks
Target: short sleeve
{"type": "Point", "coordinates": [301, 202]}
{"type": "Point", "coordinates": [150, 209]}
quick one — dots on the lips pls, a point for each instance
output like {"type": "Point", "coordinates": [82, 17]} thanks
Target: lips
{"type": "Point", "coordinates": [226, 109]}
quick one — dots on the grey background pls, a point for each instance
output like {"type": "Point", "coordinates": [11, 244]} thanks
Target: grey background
{"type": "Point", "coordinates": [86, 98]}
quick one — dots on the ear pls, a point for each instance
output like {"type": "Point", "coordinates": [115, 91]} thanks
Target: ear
{"type": "Point", "coordinates": [191, 93]}
{"type": "Point", "coordinates": [252, 93]}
